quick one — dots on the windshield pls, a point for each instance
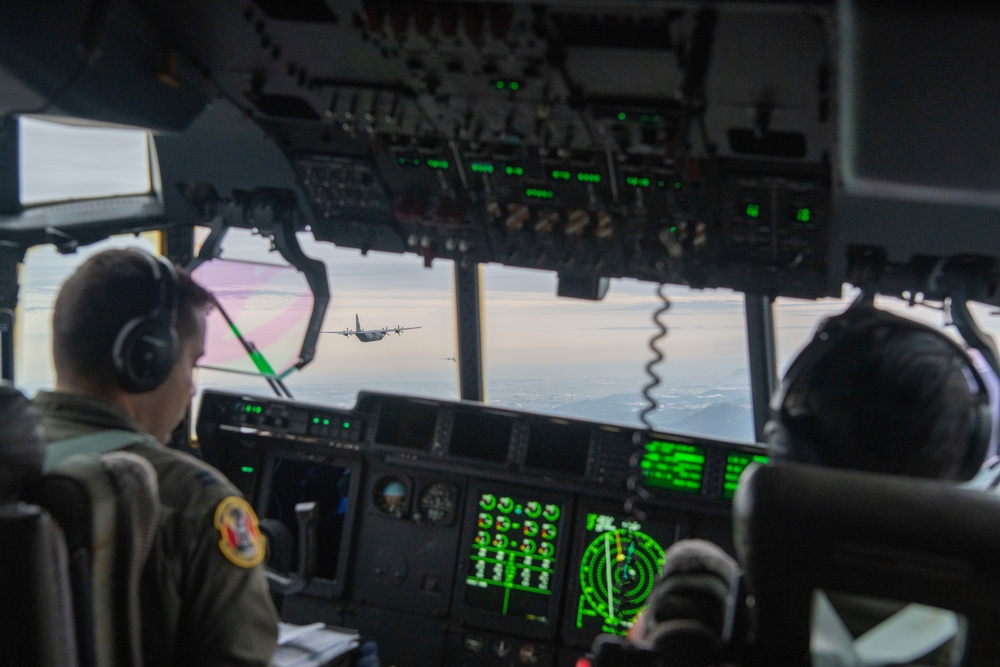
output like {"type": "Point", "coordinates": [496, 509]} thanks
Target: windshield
{"type": "Point", "coordinates": [567, 357]}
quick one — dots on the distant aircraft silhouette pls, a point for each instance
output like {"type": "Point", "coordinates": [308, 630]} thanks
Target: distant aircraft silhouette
{"type": "Point", "coordinates": [448, 358]}
{"type": "Point", "coordinates": [369, 335]}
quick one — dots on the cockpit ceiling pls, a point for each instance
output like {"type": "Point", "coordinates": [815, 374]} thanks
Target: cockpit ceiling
{"type": "Point", "coordinates": [735, 144]}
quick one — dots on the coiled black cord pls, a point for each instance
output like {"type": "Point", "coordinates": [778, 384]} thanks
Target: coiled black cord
{"type": "Point", "coordinates": [638, 493]}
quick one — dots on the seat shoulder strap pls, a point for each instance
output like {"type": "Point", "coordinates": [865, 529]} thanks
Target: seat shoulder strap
{"type": "Point", "coordinates": [99, 442]}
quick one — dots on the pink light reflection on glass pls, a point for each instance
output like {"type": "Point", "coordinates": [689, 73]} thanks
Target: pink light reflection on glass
{"type": "Point", "coordinates": [270, 305]}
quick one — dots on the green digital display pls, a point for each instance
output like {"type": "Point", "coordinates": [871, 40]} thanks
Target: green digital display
{"type": "Point", "coordinates": [538, 193]}
{"type": "Point", "coordinates": [438, 164]}
{"type": "Point", "coordinates": [481, 167]}
{"type": "Point", "coordinates": [736, 463]}
{"type": "Point", "coordinates": [753, 210]}
{"type": "Point", "coordinates": [507, 84]}
{"type": "Point", "coordinates": [253, 409]}
{"type": "Point", "coordinates": [637, 181]}
{"type": "Point", "coordinates": [588, 177]}
{"type": "Point", "coordinates": [513, 556]}
{"type": "Point", "coordinates": [560, 175]}
{"type": "Point", "coordinates": [409, 162]}
{"type": "Point", "coordinates": [512, 170]}
{"type": "Point", "coordinates": [619, 560]}
{"type": "Point", "coordinates": [803, 214]}
{"type": "Point", "coordinates": [673, 466]}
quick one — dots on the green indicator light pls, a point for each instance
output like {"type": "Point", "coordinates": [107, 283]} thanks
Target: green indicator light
{"type": "Point", "coordinates": [514, 85]}
{"type": "Point", "coordinates": [438, 164]}
{"type": "Point", "coordinates": [402, 160]}
{"type": "Point", "coordinates": [802, 215]}
{"type": "Point", "coordinates": [660, 183]}
{"type": "Point", "coordinates": [347, 424]}
{"type": "Point", "coordinates": [481, 167]}
{"type": "Point", "coordinates": [246, 469]}
{"type": "Point", "coordinates": [622, 115]}
{"type": "Point", "coordinates": [637, 181]}
{"type": "Point", "coordinates": [753, 210]}
{"type": "Point", "coordinates": [560, 175]}
{"type": "Point", "coordinates": [677, 185]}
{"type": "Point", "coordinates": [588, 177]}
{"type": "Point", "coordinates": [249, 408]}
{"type": "Point", "coordinates": [315, 420]}
{"type": "Point", "coordinates": [500, 85]}
{"type": "Point", "coordinates": [538, 193]}
{"type": "Point", "coordinates": [673, 230]}
{"type": "Point", "coordinates": [650, 118]}
{"type": "Point", "coordinates": [515, 171]}
{"type": "Point", "coordinates": [326, 422]}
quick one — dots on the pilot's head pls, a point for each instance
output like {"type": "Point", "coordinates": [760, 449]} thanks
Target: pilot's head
{"type": "Point", "coordinates": [877, 392]}
{"type": "Point", "coordinates": [129, 326]}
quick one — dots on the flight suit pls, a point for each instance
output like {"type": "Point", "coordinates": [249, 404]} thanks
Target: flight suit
{"type": "Point", "coordinates": [204, 597]}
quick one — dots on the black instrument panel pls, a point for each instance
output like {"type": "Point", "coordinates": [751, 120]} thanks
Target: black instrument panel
{"type": "Point", "coordinates": [501, 533]}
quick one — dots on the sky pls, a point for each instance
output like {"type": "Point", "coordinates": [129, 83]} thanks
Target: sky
{"type": "Point", "coordinates": [528, 332]}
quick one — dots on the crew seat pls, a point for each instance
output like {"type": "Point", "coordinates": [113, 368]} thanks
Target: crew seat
{"type": "Point", "coordinates": [36, 614]}
{"type": "Point", "coordinates": [75, 541]}
{"type": "Point", "coordinates": [927, 547]}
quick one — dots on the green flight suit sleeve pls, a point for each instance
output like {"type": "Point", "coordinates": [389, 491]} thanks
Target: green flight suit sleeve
{"type": "Point", "coordinates": [227, 615]}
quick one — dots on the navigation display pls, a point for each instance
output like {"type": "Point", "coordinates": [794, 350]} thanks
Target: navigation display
{"type": "Point", "coordinates": [617, 560]}
{"type": "Point", "coordinates": [736, 463]}
{"type": "Point", "coordinates": [673, 466]}
{"type": "Point", "coordinates": [514, 555]}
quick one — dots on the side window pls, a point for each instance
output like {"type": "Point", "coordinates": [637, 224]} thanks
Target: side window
{"type": "Point", "coordinates": [59, 161]}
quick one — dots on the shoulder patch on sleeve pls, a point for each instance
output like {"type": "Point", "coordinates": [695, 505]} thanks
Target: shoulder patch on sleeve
{"type": "Point", "coordinates": [240, 540]}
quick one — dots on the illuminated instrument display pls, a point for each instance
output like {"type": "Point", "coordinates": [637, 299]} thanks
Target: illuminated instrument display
{"type": "Point", "coordinates": [673, 466]}
{"type": "Point", "coordinates": [736, 463]}
{"type": "Point", "coordinates": [513, 556]}
{"type": "Point", "coordinates": [618, 565]}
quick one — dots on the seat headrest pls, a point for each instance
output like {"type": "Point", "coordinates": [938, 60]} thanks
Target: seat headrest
{"type": "Point", "coordinates": [22, 443]}
{"type": "Point", "coordinates": [799, 528]}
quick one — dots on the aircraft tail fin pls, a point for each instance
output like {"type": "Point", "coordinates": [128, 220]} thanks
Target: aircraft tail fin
{"type": "Point", "coordinates": [357, 322]}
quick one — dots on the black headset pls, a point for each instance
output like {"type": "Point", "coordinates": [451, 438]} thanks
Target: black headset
{"type": "Point", "coordinates": [147, 346]}
{"type": "Point", "coordinates": [798, 425]}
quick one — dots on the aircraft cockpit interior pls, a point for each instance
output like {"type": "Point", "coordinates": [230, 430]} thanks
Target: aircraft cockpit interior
{"type": "Point", "coordinates": [764, 152]}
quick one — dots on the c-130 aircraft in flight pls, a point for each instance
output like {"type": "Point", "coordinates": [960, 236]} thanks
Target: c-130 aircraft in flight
{"type": "Point", "coordinates": [369, 335]}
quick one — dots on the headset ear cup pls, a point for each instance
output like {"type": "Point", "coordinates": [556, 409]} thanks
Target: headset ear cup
{"type": "Point", "coordinates": [144, 354]}
{"type": "Point", "coordinates": [777, 438]}
{"type": "Point", "coordinates": [979, 439]}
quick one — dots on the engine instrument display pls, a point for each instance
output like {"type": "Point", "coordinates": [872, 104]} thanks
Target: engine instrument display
{"type": "Point", "coordinates": [619, 558]}
{"type": "Point", "coordinates": [514, 555]}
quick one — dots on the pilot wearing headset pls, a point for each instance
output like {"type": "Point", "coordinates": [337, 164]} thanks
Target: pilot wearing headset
{"type": "Point", "coordinates": [876, 392]}
{"type": "Point", "coordinates": [871, 391]}
{"type": "Point", "coordinates": [128, 329]}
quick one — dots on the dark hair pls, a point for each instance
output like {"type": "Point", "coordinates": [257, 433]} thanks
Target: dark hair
{"type": "Point", "coordinates": [105, 292]}
{"type": "Point", "coordinates": [887, 396]}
